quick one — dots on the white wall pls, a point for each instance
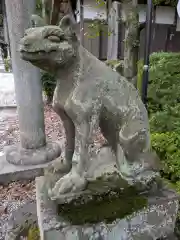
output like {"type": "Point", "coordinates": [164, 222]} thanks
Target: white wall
{"type": "Point", "coordinates": [164, 15]}
{"type": "Point", "coordinates": [92, 10]}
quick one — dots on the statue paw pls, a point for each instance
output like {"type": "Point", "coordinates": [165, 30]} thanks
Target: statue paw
{"type": "Point", "coordinates": [70, 183]}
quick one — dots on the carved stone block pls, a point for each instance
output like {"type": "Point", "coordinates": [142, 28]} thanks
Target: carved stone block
{"type": "Point", "coordinates": [154, 221]}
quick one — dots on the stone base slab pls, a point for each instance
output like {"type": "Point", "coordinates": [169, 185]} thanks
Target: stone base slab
{"type": "Point", "coordinates": [156, 221]}
{"type": "Point", "coordinates": [17, 155]}
{"type": "Point", "coordinates": [10, 172]}
{"type": "Point", "coordinates": [25, 215]}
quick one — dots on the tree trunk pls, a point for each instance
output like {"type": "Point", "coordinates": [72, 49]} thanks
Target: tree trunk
{"type": "Point", "coordinates": [131, 41]}
{"type": "Point", "coordinates": [82, 22]}
{"type": "Point", "coordinates": [55, 12]}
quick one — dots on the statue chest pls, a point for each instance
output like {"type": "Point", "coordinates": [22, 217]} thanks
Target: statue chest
{"type": "Point", "coordinates": [79, 106]}
{"type": "Point", "coordinates": [62, 93]}
{"type": "Point", "coordinates": [77, 100]}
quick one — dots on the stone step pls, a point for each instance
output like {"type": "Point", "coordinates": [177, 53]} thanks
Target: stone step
{"type": "Point", "coordinates": [10, 172]}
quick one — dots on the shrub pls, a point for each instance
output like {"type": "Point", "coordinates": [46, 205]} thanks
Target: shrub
{"type": "Point", "coordinates": [7, 64]}
{"type": "Point", "coordinates": [167, 146]}
{"type": "Point", "coordinates": [48, 84]}
{"type": "Point", "coordinates": [164, 106]}
{"type": "Point", "coordinates": [33, 233]}
{"type": "Point", "coordinates": [164, 80]}
{"type": "Point", "coordinates": [172, 3]}
{"type": "Point", "coordinates": [167, 120]}
{"type": "Point", "coordinates": [39, 7]}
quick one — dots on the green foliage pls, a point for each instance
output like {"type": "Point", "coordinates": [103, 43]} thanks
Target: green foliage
{"type": "Point", "coordinates": [7, 64]}
{"type": "Point", "coordinates": [167, 146]}
{"type": "Point", "coordinates": [39, 7]}
{"type": "Point", "coordinates": [167, 120]}
{"type": "Point", "coordinates": [33, 233]}
{"type": "Point", "coordinates": [49, 84]}
{"type": "Point", "coordinates": [117, 65]}
{"type": "Point", "coordinates": [164, 110]}
{"type": "Point", "coordinates": [172, 3]}
{"type": "Point", "coordinates": [112, 63]}
{"type": "Point", "coordinates": [96, 27]}
{"type": "Point", "coordinates": [139, 76]}
{"type": "Point", "coordinates": [164, 81]}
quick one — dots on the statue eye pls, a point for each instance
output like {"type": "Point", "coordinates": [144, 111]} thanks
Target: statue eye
{"type": "Point", "coordinates": [54, 38]}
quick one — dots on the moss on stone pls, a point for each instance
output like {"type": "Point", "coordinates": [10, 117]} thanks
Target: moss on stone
{"type": "Point", "coordinates": [105, 207]}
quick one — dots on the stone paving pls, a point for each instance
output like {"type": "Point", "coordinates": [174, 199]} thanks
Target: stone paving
{"type": "Point", "coordinates": [7, 99]}
{"type": "Point", "coordinates": [2, 70]}
{"type": "Point", "coordinates": [7, 91]}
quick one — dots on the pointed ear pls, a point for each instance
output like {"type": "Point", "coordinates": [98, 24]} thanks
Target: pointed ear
{"type": "Point", "coordinates": [37, 21]}
{"type": "Point", "coordinates": [67, 23]}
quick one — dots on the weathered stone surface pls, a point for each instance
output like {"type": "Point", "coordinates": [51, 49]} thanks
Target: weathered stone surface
{"type": "Point", "coordinates": [10, 172]}
{"type": "Point", "coordinates": [28, 87]}
{"type": "Point", "coordinates": [153, 222]}
{"type": "Point", "coordinates": [17, 155]}
{"type": "Point", "coordinates": [89, 95]}
{"type": "Point", "coordinates": [20, 219]}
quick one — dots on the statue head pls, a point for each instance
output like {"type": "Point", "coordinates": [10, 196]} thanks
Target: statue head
{"type": "Point", "coordinates": [50, 47]}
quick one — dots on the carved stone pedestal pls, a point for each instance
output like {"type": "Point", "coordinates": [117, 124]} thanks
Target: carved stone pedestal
{"type": "Point", "coordinates": [17, 155]}
{"type": "Point", "coordinates": [154, 220]}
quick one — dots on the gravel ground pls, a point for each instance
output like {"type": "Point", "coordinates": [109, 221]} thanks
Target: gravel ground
{"type": "Point", "coordinates": [16, 194]}
{"type": "Point", "coordinates": [12, 197]}
{"type": "Point", "coordinates": [9, 129]}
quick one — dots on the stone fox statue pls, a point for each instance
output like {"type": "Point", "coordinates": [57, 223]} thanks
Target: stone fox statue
{"type": "Point", "coordinates": [89, 95]}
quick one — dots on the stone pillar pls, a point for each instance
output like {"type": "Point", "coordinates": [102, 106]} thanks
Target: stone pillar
{"type": "Point", "coordinates": [33, 148]}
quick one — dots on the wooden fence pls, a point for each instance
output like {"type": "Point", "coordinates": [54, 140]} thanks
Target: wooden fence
{"type": "Point", "coordinates": [164, 38]}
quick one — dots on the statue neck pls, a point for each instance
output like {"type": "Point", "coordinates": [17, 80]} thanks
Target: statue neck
{"type": "Point", "coordinates": [75, 69]}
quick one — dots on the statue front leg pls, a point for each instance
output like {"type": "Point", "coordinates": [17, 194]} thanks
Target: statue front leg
{"type": "Point", "coordinates": [75, 181]}
{"type": "Point", "coordinates": [84, 138]}
{"type": "Point", "coordinates": [70, 139]}
{"type": "Point", "coordinates": [70, 136]}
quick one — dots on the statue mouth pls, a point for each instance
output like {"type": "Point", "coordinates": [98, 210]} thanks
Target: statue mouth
{"type": "Point", "coordinates": [33, 55]}
{"type": "Point", "coordinates": [36, 53]}
{"type": "Point", "coordinates": [33, 52]}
